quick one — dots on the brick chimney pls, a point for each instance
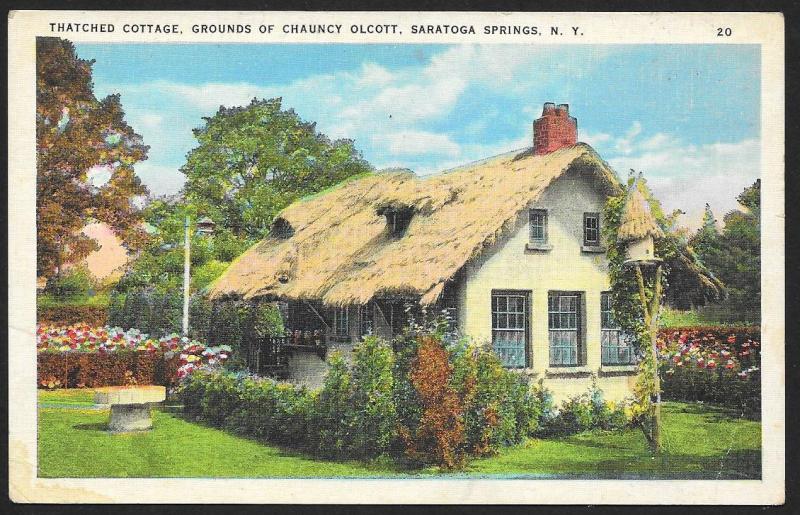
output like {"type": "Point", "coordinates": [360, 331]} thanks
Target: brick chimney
{"type": "Point", "coordinates": [554, 130]}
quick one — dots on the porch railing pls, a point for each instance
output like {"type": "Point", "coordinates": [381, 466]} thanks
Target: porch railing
{"type": "Point", "coordinates": [270, 355]}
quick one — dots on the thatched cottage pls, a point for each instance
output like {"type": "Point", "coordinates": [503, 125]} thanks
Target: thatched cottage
{"type": "Point", "coordinates": [511, 245]}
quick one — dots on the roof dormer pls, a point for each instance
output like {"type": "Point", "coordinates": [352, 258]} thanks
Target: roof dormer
{"type": "Point", "coordinates": [398, 218]}
{"type": "Point", "coordinates": [282, 229]}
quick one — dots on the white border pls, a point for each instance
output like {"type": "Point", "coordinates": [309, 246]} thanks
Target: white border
{"type": "Point", "coordinates": [766, 29]}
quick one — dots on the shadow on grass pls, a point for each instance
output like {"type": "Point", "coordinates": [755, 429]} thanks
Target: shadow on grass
{"type": "Point", "coordinates": [736, 465]}
{"type": "Point", "coordinates": [709, 412]}
{"type": "Point", "coordinates": [287, 451]}
{"type": "Point", "coordinates": [98, 426]}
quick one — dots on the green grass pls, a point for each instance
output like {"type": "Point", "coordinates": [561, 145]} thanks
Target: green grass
{"type": "Point", "coordinates": [712, 315]}
{"type": "Point", "coordinates": [68, 396]}
{"type": "Point", "coordinates": [701, 442]}
{"type": "Point", "coordinates": [46, 300]}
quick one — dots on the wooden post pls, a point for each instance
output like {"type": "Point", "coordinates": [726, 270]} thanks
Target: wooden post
{"type": "Point", "coordinates": [186, 276]}
{"type": "Point", "coordinates": [651, 311]}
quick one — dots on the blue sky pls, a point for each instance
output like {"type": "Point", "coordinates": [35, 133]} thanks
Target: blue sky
{"type": "Point", "coordinates": [685, 115]}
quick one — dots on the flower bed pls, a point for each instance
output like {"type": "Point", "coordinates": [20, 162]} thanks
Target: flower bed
{"type": "Point", "coordinates": [713, 364]}
{"type": "Point", "coordinates": [81, 355]}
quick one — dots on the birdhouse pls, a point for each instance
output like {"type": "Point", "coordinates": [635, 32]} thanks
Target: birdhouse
{"type": "Point", "coordinates": [638, 228]}
{"type": "Point", "coordinates": [641, 249]}
{"type": "Point", "coordinates": [205, 226]}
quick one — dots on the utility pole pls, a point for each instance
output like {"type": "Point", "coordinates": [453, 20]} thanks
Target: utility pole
{"type": "Point", "coordinates": [186, 276]}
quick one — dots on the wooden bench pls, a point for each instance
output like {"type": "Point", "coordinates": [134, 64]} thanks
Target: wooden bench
{"type": "Point", "coordinates": [130, 406]}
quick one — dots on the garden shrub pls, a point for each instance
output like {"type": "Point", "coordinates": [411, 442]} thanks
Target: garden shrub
{"type": "Point", "coordinates": [261, 407]}
{"type": "Point", "coordinates": [374, 416]}
{"type": "Point", "coordinates": [439, 437]}
{"type": "Point", "coordinates": [425, 403]}
{"type": "Point", "coordinates": [74, 282]}
{"type": "Point", "coordinates": [332, 421]}
{"type": "Point", "coordinates": [584, 412]}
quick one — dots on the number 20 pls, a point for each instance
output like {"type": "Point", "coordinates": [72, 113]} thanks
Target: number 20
{"type": "Point", "coordinates": [724, 31]}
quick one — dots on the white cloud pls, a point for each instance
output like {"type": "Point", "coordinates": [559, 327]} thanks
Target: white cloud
{"type": "Point", "coordinates": [685, 176]}
{"type": "Point", "coordinates": [595, 139]}
{"type": "Point", "coordinates": [387, 111]}
{"type": "Point", "coordinates": [418, 143]}
{"type": "Point", "coordinates": [375, 74]}
{"type": "Point", "coordinates": [625, 143]}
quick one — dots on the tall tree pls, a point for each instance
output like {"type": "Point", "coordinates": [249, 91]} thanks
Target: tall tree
{"type": "Point", "coordinates": [76, 136]}
{"type": "Point", "coordinates": [253, 161]}
{"type": "Point", "coordinates": [735, 254]}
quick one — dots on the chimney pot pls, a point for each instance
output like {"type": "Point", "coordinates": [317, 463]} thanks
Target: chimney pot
{"type": "Point", "coordinates": [554, 130]}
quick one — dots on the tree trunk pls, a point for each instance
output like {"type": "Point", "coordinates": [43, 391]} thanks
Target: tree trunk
{"type": "Point", "coordinates": [650, 312]}
{"type": "Point", "coordinates": [655, 413]}
{"type": "Point", "coordinates": [655, 309]}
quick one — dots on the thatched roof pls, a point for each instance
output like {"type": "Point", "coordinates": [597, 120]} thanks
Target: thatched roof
{"type": "Point", "coordinates": [637, 221]}
{"type": "Point", "coordinates": [340, 251]}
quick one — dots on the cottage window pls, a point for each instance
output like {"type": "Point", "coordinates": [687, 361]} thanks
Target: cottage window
{"type": "Point", "coordinates": [615, 348]}
{"type": "Point", "coordinates": [564, 320]}
{"type": "Point", "coordinates": [591, 229]}
{"type": "Point", "coordinates": [365, 319]}
{"type": "Point", "coordinates": [538, 225]}
{"type": "Point", "coordinates": [341, 321]}
{"type": "Point", "coordinates": [510, 328]}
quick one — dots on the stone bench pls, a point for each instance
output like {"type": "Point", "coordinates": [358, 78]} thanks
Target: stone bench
{"type": "Point", "coordinates": [130, 406]}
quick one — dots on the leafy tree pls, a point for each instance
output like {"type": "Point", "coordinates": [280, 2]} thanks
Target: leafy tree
{"type": "Point", "coordinates": [78, 134]}
{"type": "Point", "coordinates": [253, 161]}
{"type": "Point", "coordinates": [735, 255]}
{"type": "Point", "coordinates": [159, 265]}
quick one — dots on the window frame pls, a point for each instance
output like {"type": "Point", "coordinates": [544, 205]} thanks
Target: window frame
{"type": "Point", "coordinates": [525, 295]}
{"type": "Point", "coordinates": [612, 339]}
{"type": "Point", "coordinates": [591, 215]}
{"type": "Point", "coordinates": [543, 213]}
{"type": "Point", "coordinates": [579, 329]}
{"type": "Point", "coordinates": [366, 315]}
{"type": "Point", "coordinates": [337, 319]}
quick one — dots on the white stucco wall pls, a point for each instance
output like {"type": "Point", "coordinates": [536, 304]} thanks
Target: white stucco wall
{"type": "Point", "coordinates": [565, 267]}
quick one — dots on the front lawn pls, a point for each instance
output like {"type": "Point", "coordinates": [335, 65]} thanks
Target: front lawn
{"type": "Point", "coordinates": [701, 442]}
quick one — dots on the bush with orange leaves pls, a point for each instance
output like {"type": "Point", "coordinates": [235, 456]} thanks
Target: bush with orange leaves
{"type": "Point", "coordinates": [439, 437]}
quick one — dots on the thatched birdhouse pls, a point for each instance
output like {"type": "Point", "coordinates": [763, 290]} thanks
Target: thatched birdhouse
{"type": "Point", "coordinates": [638, 228]}
{"type": "Point", "coordinates": [205, 225]}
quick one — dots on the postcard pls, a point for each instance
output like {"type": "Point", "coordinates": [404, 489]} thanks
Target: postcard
{"type": "Point", "coordinates": [352, 257]}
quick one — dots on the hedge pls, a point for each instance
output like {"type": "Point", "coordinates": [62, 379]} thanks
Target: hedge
{"type": "Point", "coordinates": [82, 355]}
{"type": "Point", "coordinates": [69, 315]}
{"type": "Point", "coordinates": [91, 370]}
{"type": "Point", "coordinates": [426, 403]}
